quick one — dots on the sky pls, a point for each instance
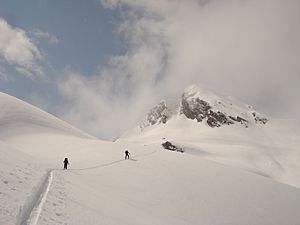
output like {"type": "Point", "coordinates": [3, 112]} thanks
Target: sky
{"type": "Point", "coordinates": [102, 64]}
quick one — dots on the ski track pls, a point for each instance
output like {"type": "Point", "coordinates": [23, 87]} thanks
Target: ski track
{"type": "Point", "coordinates": [38, 205]}
{"type": "Point", "coordinates": [32, 217]}
{"type": "Point", "coordinates": [117, 161]}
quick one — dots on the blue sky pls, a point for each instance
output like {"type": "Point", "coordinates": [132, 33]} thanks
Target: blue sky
{"type": "Point", "coordinates": [101, 64]}
{"type": "Point", "coordinates": [84, 39]}
{"type": "Point", "coordinates": [84, 29]}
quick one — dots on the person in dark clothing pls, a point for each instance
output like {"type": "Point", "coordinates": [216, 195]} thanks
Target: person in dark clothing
{"type": "Point", "coordinates": [66, 162]}
{"type": "Point", "coordinates": [127, 154]}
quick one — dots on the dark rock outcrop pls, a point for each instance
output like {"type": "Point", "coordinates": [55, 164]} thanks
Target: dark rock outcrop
{"type": "Point", "coordinates": [199, 109]}
{"type": "Point", "coordinates": [169, 146]}
{"type": "Point", "coordinates": [216, 119]}
{"type": "Point", "coordinates": [240, 120]}
{"type": "Point", "coordinates": [196, 109]}
{"type": "Point", "coordinates": [259, 119]}
{"type": "Point", "coordinates": [206, 107]}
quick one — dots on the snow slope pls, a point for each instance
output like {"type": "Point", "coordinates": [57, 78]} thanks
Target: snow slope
{"type": "Point", "coordinates": [20, 181]}
{"type": "Point", "coordinates": [154, 187]}
{"type": "Point", "coordinates": [271, 150]}
{"type": "Point", "coordinates": [173, 188]}
{"type": "Point", "coordinates": [269, 147]}
{"type": "Point", "coordinates": [18, 118]}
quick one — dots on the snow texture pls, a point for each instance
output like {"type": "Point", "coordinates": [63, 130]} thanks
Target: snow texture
{"type": "Point", "coordinates": [227, 175]}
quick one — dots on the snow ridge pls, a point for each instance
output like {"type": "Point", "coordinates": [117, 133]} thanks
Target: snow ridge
{"type": "Point", "coordinates": [18, 117]}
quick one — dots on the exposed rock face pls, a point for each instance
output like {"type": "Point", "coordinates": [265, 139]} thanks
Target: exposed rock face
{"type": "Point", "coordinates": [216, 119]}
{"type": "Point", "coordinates": [199, 109]}
{"type": "Point", "coordinates": [240, 120]}
{"type": "Point", "coordinates": [195, 109]}
{"type": "Point", "coordinates": [207, 107]}
{"type": "Point", "coordinates": [158, 114]}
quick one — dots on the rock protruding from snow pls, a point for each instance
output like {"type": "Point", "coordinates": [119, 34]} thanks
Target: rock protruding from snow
{"type": "Point", "coordinates": [169, 146]}
{"type": "Point", "coordinates": [259, 118]}
{"type": "Point", "coordinates": [200, 110]}
{"type": "Point", "coordinates": [158, 114]}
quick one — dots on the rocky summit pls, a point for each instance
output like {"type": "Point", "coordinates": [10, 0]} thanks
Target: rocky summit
{"type": "Point", "coordinates": [206, 107]}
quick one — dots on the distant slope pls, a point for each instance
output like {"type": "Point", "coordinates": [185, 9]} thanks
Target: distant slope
{"type": "Point", "coordinates": [18, 117]}
{"type": "Point", "coordinates": [36, 132]}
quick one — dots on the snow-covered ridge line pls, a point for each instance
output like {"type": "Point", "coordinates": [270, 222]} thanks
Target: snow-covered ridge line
{"type": "Point", "coordinates": [17, 115]}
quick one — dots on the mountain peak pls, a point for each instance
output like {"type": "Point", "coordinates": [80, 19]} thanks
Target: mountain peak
{"type": "Point", "coordinates": [205, 106]}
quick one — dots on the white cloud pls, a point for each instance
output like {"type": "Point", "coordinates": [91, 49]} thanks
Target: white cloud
{"type": "Point", "coordinates": [17, 50]}
{"type": "Point", "coordinates": [45, 35]}
{"type": "Point", "coordinates": [244, 48]}
{"type": "Point", "coordinates": [249, 49]}
{"type": "Point", "coordinates": [105, 104]}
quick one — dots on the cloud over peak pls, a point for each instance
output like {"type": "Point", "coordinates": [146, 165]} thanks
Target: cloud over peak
{"type": "Point", "coordinates": [249, 49]}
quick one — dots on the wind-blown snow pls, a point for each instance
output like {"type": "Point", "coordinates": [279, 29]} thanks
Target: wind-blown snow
{"type": "Point", "coordinates": [154, 187]}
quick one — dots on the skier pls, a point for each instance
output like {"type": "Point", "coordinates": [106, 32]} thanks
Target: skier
{"type": "Point", "coordinates": [66, 162]}
{"type": "Point", "coordinates": [127, 154]}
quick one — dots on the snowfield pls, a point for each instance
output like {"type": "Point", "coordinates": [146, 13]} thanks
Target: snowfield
{"type": "Point", "coordinates": [270, 150]}
{"type": "Point", "coordinates": [222, 178]}
{"type": "Point", "coordinates": [225, 130]}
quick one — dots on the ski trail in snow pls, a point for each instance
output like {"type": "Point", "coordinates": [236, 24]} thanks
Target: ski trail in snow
{"type": "Point", "coordinates": [114, 162]}
{"type": "Point", "coordinates": [102, 165]}
{"type": "Point", "coordinates": [36, 212]}
{"type": "Point", "coordinates": [36, 205]}
{"type": "Point", "coordinates": [145, 154]}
